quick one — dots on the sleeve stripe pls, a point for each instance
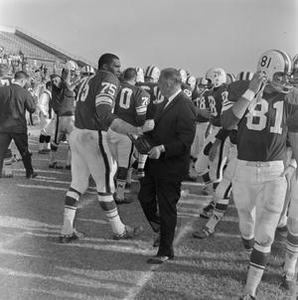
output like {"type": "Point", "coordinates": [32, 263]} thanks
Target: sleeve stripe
{"type": "Point", "coordinates": [102, 99]}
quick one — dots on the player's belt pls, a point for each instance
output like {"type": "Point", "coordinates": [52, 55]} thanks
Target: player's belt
{"type": "Point", "coordinates": [258, 164]}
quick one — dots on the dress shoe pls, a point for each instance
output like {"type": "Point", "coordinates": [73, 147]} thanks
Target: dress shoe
{"type": "Point", "coordinates": [158, 259]}
{"type": "Point", "coordinates": [31, 175]}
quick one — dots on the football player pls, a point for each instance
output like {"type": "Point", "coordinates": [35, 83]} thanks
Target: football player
{"type": "Point", "coordinates": [63, 104]}
{"type": "Point", "coordinates": [45, 115]}
{"type": "Point", "coordinates": [291, 255]}
{"type": "Point", "coordinates": [152, 74]}
{"type": "Point", "coordinates": [131, 106]}
{"type": "Point", "coordinates": [87, 71]}
{"type": "Point", "coordinates": [91, 153]}
{"type": "Point", "coordinates": [221, 197]}
{"type": "Point", "coordinates": [155, 99]}
{"type": "Point", "coordinates": [211, 105]}
{"type": "Point", "coordinates": [265, 110]}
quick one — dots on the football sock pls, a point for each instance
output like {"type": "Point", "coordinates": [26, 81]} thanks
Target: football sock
{"type": "Point", "coordinates": [141, 164]}
{"type": "Point", "coordinates": [108, 204]}
{"type": "Point", "coordinates": [120, 182]}
{"type": "Point", "coordinates": [218, 212]}
{"type": "Point", "coordinates": [291, 254]}
{"type": "Point", "coordinates": [70, 208]}
{"type": "Point", "coordinates": [258, 261]}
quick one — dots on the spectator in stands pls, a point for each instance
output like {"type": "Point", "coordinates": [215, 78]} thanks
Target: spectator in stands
{"type": "Point", "coordinates": [15, 100]}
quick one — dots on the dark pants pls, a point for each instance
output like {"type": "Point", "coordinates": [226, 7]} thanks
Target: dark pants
{"type": "Point", "coordinates": [21, 141]}
{"type": "Point", "coordinates": [164, 194]}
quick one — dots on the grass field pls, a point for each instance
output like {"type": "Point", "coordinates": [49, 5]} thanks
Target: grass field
{"type": "Point", "coordinates": [34, 266]}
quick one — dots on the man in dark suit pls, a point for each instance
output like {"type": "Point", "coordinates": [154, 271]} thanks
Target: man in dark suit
{"type": "Point", "coordinates": [168, 162]}
{"type": "Point", "coordinates": [14, 101]}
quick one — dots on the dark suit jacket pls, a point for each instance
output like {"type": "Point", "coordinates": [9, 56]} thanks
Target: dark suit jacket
{"type": "Point", "coordinates": [175, 129]}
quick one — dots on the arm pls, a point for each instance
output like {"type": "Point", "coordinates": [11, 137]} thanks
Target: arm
{"type": "Point", "coordinates": [231, 115]}
{"type": "Point", "coordinates": [30, 103]}
{"type": "Point", "coordinates": [293, 137]}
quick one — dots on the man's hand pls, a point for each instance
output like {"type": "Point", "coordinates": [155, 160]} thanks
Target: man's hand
{"type": "Point", "coordinates": [205, 113]}
{"type": "Point", "coordinates": [213, 150]}
{"type": "Point", "coordinates": [288, 172]}
{"type": "Point", "coordinates": [258, 81]}
{"type": "Point", "coordinates": [156, 151]}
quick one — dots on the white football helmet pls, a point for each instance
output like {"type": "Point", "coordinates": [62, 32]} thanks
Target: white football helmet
{"type": "Point", "coordinates": [230, 78]}
{"type": "Point", "coordinates": [294, 78]}
{"type": "Point", "coordinates": [140, 74]}
{"type": "Point", "coordinates": [152, 73]}
{"type": "Point", "coordinates": [87, 71]}
{"type": "Point", "coordinates": [217, 76]}
{"type": "Point", "coordinates": [274, 63]}
{"type": "Point", "coordinates": [71, 65]}
{"type": "Point", "coordinates": [183, 75]}
{"type": "Point", "coordinates": [191, 81]}
{"type": "Point", "coordinates": [245, 75]}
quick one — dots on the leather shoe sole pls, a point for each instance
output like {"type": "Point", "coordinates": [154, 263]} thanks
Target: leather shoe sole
{"type": "Point", "coordinates": [158, 260]}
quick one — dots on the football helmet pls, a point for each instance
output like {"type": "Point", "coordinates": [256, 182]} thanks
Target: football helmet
{"type": "Point", "coordinates": [140, 74]}
{"type": "Point", "coordinates": [191, 81]}
{"type": "Point", "coordinates": [294, 78]}
{"type": "Point", "coordinates": [217, 76]}
{"type": "Point", "coordinates": [152, 73]}
{"type": "Point", "coordinates": [230, 78]}
{"type": "Point", "coordinates": [183, 75]}
{"type": "Point", "coordinates": [71, 65]}
{"type": "Point", "coordinates": [87, 71]}
{"type": "Point", "coordinates": [245, 75]}
{"type": "Point", "coordinates": [278, 67]}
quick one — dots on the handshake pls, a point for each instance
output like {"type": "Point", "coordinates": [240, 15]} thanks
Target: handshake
{"type": "Point", "coordinates": [148, 126]}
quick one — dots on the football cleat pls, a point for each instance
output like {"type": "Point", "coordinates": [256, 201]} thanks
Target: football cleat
{"type": "Point", "coordinates": [68, 238]}
{"type": "Point", "coordinates": [129, 234]}
{"type": "Point", "coordinates": [203, 233]}
{"type": "Point", "coordinates": [289, 283]}
{"type": "Point", "coordinates": [54, 165]}
{"type": "Point", "coordinates": [208, 210]}
{"type": "Point", "coordinates": [123, 201]}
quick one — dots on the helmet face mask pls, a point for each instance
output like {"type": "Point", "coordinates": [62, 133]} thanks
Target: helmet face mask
{"type": "Point", "coordinates": [277, 65]}
{"type": "Point", "coordinates": [281, 82]}
{"type": "Point", "coordinates": [217, 76]}
{"type": "Point", "coordinates": [191, 81]}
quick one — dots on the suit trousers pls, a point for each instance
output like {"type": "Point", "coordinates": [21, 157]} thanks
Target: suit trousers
{"type": "Point", "coordinates": [21, 141]}
{"type": "Point", "coordinates": [158, 198]}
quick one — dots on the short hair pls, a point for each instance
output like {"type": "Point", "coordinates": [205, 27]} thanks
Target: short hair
{"type": "Point", "coordinates": [20, 75]}
{"type": "Point", "coordinates": [48, 84]}
{"type": "Point", "coordinates": [129, 74]}
{"type": "Point", "coordinates": [106, 58]}
{"type": "Point", "coordinates": [172, 74]}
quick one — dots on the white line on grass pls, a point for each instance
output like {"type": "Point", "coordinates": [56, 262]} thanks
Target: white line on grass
{"type": "Point", "coordinates": [147, 275]}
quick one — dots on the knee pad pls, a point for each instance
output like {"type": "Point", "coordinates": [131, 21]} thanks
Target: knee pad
{"type": "Point", "coordinates": [42, 138]}
{"type": "Point", "coordinates": [293, 225]}
{"type": "Point", "coordinates": [47, 138]}
{"type": "Point", "coordinates": [121, 173]}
